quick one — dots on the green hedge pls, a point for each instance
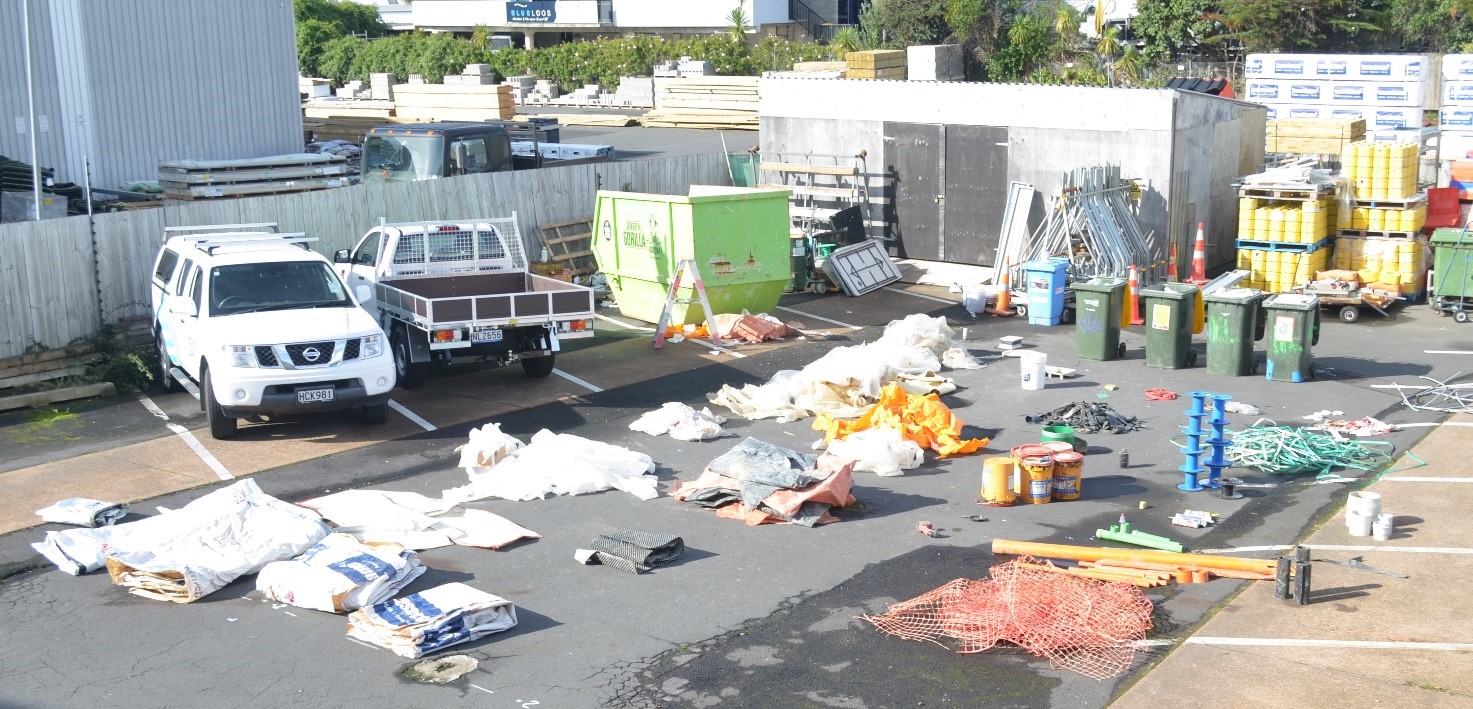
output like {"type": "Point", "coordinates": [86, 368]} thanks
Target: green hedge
{"type": "Point", "coordinates": [571, 64]}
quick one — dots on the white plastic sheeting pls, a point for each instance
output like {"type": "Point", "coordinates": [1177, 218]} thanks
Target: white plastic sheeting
{"type": "Point", "coordinates": [243, 505]}
{"type": "Point", "coordinates": [340, 574]}
{"type": "Point", "coordinates": [881, 451]}
{"type": "Point", "coordinates": [84, 512]}
{"type": "Point", "coordinates": [407, 519]}
{"type": "Point", "coordinates": [681, 422]}
{"type": "Point", "coordinates": [487, 447]}
{"type": "Point", "coordinates": [560, 464]}
{"type": "Point", "coordinates": [846, 380]}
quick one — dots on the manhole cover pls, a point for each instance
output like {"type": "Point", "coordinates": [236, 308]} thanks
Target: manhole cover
{"type": "Point", "coordinates": [441, 670]}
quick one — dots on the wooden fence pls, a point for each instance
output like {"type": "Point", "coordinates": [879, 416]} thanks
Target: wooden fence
{"type": "Point", "coordinates": [62, 279]}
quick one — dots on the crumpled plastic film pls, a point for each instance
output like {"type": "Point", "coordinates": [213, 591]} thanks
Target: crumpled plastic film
{"type": "Point", "coordinates": [923, 419]}
{"type": "Point", "coordinates": [681, 422]}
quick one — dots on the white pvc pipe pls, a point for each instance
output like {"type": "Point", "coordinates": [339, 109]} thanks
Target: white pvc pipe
{"type": "Point", "coordinates": [25, 11]}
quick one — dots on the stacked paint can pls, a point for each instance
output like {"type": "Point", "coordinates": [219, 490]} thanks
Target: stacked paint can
{"type": "Point", "coordinates": [1381, 170]}
{"type": "Point", "coordinates": [1068, 475]}
{"type": "Point", "coordinates": [1277, 271]}
{"type": "Point", "coordinates": [1036, 473]}
{"type": "Point", "coordinates": [1393, 265]}
{"type": "Point", "coordinates": [999, 481]}
{"type": "Point", "coordinates": [1275, 221]}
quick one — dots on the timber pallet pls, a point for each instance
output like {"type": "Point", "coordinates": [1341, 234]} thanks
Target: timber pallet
{"type": "Point", "coordinates": [1404, 203]}
{"type": "Point", "coordinates": [1283, 245]}
{"type": "Point", "coordinates": [1378, 234]}
{"type": "Point", "coordinates": [1292, 194]}
{"type": "Point", "coordinates": [571, 243]}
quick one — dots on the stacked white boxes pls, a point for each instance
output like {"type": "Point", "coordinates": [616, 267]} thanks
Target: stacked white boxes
{"type": "Point", "coordinates": [1456, 118]}
{"type": "Point", "coordinates": [1387, 90]}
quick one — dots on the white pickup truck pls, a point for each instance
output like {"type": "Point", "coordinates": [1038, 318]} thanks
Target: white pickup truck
{"type": "Point", "coordinates": [453, 292]}
{"type": "Point", "coordinates": [254, 322]}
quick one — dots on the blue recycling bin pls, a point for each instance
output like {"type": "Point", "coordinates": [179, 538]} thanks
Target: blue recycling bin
{"type": "Point", "coordinates": [1046, 280]}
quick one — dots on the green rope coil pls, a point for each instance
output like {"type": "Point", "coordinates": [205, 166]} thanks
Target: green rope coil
{"type": "Point", "coordinates": [1286, 450]}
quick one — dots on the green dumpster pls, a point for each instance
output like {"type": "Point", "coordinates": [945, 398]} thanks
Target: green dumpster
{"type": "Point", "coordinates": [1170, 313]}
{"type": "Point", "coordinates": [737, 236]}
{"type": "Point", "coordinates": [1097, 305]}
{"type": "Point", "coordinates": [1452, 269]}
{"type": "Point", "coordinates": [1234, 323]}
{"type": "Point", "coordinates": [1293, 326]}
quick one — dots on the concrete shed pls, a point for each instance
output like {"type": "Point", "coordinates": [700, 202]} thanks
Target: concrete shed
{"type": "Point", "coordinates": [940, 156]}
{"type": "Point", "coordinates": [125, 85]}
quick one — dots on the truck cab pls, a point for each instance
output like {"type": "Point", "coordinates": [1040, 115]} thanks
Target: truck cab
{"type": "Point", "coordinates": [427, 151]}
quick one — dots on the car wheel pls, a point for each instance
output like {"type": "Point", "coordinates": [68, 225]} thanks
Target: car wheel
{"type": "Point", "coordinates": [538, 367]}
{"type": "Point", "coordinates": [166, 380]}
{"type": "Point", "coordinates": [411, 374]}
{"type": "Point", "coordinates": [221, 426]}
{"type": "Point", "coordinates": [376, 413]}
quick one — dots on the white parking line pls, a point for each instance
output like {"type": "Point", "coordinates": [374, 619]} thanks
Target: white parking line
{"type": "Point", "coordinates": [811, 316]}
{"type": "Point", "coordinates": [622, 324]}
{"type": "Point", "coordinates": [426, 425]}
{"type": "Point", "coordinates": [189, 440]}
{"type": "Point", "coordinates": [921, 295]}
{"type": "Point", "coordinates": [1341, 547]}
{"type": "Point", "coordinates": [576, 380]}
{"type": "Point", "coordinates": [1304, 642]}
{"type": "Point", "coordinates": [718, 349]}
{"type": "Point", "coordinates": [1415, 479]}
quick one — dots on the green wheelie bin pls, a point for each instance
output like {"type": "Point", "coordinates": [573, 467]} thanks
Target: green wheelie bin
{"type": "Point", "coordinates": [1097, 306]}
{"type": "Point", "coordinates": [1170, 313]}
{"type": "Point", "coordinates": [1293, 327]}
{"type": "Point", "coordinates": [1234, 322]}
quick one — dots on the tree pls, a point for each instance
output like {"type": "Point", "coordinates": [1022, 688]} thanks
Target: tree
{"type": "Point", "coordinates": [906, 22]}
{"type": "Point", "coordinates": [978, 26]}
{"type": "Point", "coordinates": [1302, 25]}
{"type": "Point", "coordinates": [739, 21]}
{"type": "Point", "coordinates": [320, 22]}
{"type": "Point", "coordinates": [1031, 42]}
{"type": "Point", "coordinates": [1429, 26]}
{"type": "Point", "coordinates": [1169, 27]}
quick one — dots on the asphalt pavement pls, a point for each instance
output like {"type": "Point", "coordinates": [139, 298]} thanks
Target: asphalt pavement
{"type": "Point", "coordinates": [750, 616]}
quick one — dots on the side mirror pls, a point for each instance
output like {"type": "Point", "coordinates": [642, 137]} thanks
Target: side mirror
{"type": "Point", "coordinates": [183, 306]}
{"type": "Point", "coordinates": [363, 293]}
{"type": "Point", "coordinates": [340, 256]}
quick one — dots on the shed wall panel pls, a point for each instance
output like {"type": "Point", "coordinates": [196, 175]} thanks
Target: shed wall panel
{"type": "Point", "coordinates": [14, 144]}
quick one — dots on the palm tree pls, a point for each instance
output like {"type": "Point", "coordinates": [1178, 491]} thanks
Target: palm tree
{"type": "Point", "coordinates": [1131, 65]}
{"type": "Point", "coordinates": [1108, 45]}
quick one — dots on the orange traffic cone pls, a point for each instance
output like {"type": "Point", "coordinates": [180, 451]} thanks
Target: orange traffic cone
{"type": "Point", "coordinates": [1004, 305]}
{"type": "Point", "coordinates": [1171, 265]}
{"type": "Point", "coordinates": [1199, 260]}
{"type": "Point", "coordinates": [1133, 301]}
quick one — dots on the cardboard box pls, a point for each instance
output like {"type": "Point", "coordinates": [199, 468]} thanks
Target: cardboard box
{"type": "Point", "coordinates": [1457, 118]}
{"type": "Point", "coordinates": [1457, 93]}
{"type": "Point", "coordinates": [1457, 67]}
{"type": "Point", "coordinates": [1338, 67]}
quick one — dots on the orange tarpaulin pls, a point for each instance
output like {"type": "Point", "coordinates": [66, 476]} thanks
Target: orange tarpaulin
{"type": "Point", "coordinates": [923, 419]}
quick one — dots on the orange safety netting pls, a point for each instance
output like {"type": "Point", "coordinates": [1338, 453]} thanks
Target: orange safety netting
{"type": "Point", "coordinates": [1079, 624]}
{"type": "Point", "coordinates": [920, 418]}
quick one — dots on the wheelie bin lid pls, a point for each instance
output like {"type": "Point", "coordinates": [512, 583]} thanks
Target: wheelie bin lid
{"type": "Point", "coordinates": [1292, 301]}
{"type": "Point", "coordinates": [1237, 296]}
{"type": "Point", "coordinates": [1100, 284]}
{"type": "Point", "coordinates": [1170, 291]}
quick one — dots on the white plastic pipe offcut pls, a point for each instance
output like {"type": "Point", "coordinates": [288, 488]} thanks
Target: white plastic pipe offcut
{"type": "Point", "coordinates": [1358, 522]}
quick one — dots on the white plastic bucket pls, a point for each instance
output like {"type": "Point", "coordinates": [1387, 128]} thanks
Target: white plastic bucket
{"type": "Point", "coordinates": [1032, 365]}
{"type": "Point", "coordinates": [974, 299]}
{"type": "Point", "coordinates": [1383, 527]}
{"type": "Point", "coordinates": [1368, 503]}
{"type": "Point", "coordinates": [1358, 522]}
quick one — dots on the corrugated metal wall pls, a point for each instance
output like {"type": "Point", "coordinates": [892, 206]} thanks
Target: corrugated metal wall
{"type": "Point", "coordinates": [128, 83]}
{"type": "Point", "coordinates": [49, 291]}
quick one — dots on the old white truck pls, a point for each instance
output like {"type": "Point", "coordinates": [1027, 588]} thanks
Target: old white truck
{"type": "Point", "coordinates": [460, 291]}
{"type": "Point", "coordinates": [251, 322]}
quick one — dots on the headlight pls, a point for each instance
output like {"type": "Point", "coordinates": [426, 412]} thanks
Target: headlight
{"type": "Point", "coordinates": [241, 355]}
{"type": "Point", "coordinates": [373, 345]}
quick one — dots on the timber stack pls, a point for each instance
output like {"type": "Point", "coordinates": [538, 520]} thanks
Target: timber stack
{"type": "Point", "coordinates": [876, 64]}
{"type": "Point", "coordinates": [726, 102]}
{"type": "Point", "coordinates": [1313, 136]}
{"type": "Point", "coordinates": [427, 103]}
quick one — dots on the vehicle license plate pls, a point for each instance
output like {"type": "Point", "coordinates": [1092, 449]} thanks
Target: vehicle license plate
{"type": "Point", "coordinates": [488, 334]}
{"type": "Point", "coordinates": [312, 396]}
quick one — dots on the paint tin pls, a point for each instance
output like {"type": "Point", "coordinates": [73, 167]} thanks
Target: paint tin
{"type": "Point", "coordinates": [1038, 483]}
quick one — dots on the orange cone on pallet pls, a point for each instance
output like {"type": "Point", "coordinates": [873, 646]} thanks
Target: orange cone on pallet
{"type": "Point", "coordinates": [1199, 260]}
{"type": "Point", "coordinates": [1132, 315]}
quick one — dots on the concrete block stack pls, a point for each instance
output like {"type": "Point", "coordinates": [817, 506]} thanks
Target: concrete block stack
{"type": "Point", "coordinates": [1456, 118]}
{"type": "Point", "coordinates": [875, 64]}
{"type": "Point", "coordinates": [1387, 90]}
{"type": "Point", "coordinates": [685, 66]}
{"type": "Point", "coordinates": [936, 62]}
{"type": "Point", "coordinates": [472, 75]}
{"type": "Point", "coordinates": [636, 91]}
{"type": "Point", "coordinates": [382, 86]}
{"type": "Point", "coordinates": [522, 87]}
{"type": "Point", "coordinates": [354, 90]}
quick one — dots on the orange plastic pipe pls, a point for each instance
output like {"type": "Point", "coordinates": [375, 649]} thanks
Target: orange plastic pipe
{"type": "Point", "coordinates": [1064, 551]}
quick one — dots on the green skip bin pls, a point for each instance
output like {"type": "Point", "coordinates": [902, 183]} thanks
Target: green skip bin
{"type": "Point", "coordinates": [737, 236]}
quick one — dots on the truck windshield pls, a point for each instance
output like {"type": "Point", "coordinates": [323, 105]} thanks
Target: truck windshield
{"type": "Point", "coordinates": [286, 285]}
{"type": "Point", "coordinates": [402, 158]}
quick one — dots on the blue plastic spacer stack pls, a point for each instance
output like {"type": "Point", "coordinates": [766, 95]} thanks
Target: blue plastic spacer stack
{"type": "Point", "coordinates": [1192, 469]}
{"type": "Point", "coordinates": [1219, 442]}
